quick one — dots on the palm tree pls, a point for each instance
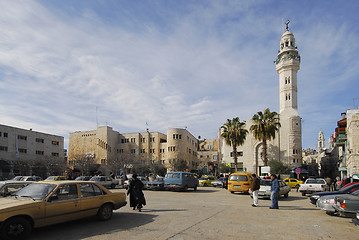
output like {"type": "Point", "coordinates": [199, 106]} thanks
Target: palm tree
{"type": "Point", "coordinates": [234, 134]}
{"type": "Point", "coordinates": [264, 129]}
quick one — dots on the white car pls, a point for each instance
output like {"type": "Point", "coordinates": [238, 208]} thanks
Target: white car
{"type": "Point", "coordinates": [105, 181]}
{"type": "Point", "coordinates": [265, 185]}
{"type": "Point", "coordinates": [313, 185]}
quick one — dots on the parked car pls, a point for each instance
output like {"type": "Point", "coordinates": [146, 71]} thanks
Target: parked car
{"type": "Point", "coordinates": [219, 182]}
{"type": "Point", "coordinates": [105, 181]}
{"type": "Point", "coordinates": [156, 184]}
{"type": "Point", "coordinates": [9, 187]}
{"type": "Point", "coordinates": [239, 182]}
{"type": "Point", "coordinates": [347, 189]}
{"type": "Point", "coordinates": [346, 206]}
{"type": "Point", "coordinates": [265, 186]}
{"type": "Point", "coordinates": [45, 203]}
{"type": "Point", "coordinates": [16, 178]}
{"type": "Point", "coordinates": [293, 182]}
{"type": "Point", "coordinates": [327, 202]}
{"type": "Point", "coordinates": [31, 178]}
{"type": "Point", "coordinates": [206, 181]}
{"type": "Point", "coordinates": [83, 178]}
{"type": "Point", "coordinates": [181, 181]}
{"type": "Point", "coordinates": [313, 185]}
{"type": "Point", "coordinates": [55, 178]}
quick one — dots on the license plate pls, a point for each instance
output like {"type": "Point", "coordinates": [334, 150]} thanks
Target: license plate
{"type": "Point", "coordinates": [237, 186]}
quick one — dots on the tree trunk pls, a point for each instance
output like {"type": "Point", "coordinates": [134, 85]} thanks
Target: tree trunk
{"type": "Point", "coordinates": [265, 159]}
{"type": "Point", "coordinates": [235, 157]}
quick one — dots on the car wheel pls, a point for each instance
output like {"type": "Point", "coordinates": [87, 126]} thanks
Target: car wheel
{"type": "Point", "coordinates": [205, 185]}
{"type": "Point", "coordinates": [232, 192]}
{"type": "Point", "coordinates": [16, 228]}
{"type": "Point", "coordinates": [330, 213]}
{"type": "Point", "coordinates": [185, 188]}
{"type": "Point", "coordinates": [195, 188]}
{"type": "Point", "coordinates": [303, 193]}
{"type": "Point", "coordinates": [286, 195]}
{"type": "Point", "coordinates": [105, 212]}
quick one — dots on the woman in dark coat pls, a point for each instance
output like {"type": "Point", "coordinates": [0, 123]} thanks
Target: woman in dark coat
{"type": "Point", "coordinates": [137, 199]}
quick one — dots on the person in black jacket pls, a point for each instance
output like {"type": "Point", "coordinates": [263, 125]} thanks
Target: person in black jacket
{"type": "Point", "coordinates": [137, 198]}
{"type": "Point", "coordinates": [255, 185]}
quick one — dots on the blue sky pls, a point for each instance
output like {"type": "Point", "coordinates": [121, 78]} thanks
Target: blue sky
{"type": "Point", "coordinates": [69, 65]}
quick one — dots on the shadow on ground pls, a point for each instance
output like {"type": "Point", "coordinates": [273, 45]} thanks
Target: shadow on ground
{"type": "Point", "coordinates": [90, 227]}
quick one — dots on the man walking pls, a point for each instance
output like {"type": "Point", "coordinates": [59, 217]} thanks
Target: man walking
{"type": "Point", "coordinates": [255, 185]}
{"type": "Point", "coordinates": [274, 192]}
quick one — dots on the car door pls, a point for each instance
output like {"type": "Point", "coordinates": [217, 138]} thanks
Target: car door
{"type": "Point", "coordinates": [91, 199]}
{"type": "Point", "coordinates": [63, 205]}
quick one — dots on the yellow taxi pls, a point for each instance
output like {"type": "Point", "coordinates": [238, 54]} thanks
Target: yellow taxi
{"type": "Point", "coordinates": [239, 182]}
{"type": "Point", "coordinates": [45, 203]}
{"type": "Point", "coordinates": [292, 182]}
{"type": "Point", "coordinates": [206, 181]}
{"type": "Point", "coordinates": [55, 178]}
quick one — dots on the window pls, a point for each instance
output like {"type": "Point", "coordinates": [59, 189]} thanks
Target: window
{"type": "Point", "coordinates": [40, 152]}
{"type": "Point", "coordinates": [22, 150]}
{"type": "Point", "coordinates": [2, 148]}
{"type": "Point", "coordinates": [152, 139]}
{"type": "Point", "coordinates": [55, 143]}
{"type": "Point", "coordinates": [20, 137]}
{"type": "Point", "coordinates": [133, 150]}
{"type": "Point", "coordinates": [239, 154]}
{"type": "Point", "coordinates": [39, 140]}
{"type": "Point", "coordinates": [143, 140]}
{"type": "Point", "coordinates": [152, 150]}
{"type": "Point", "coordinates": [65, 192]}
{"type": "Point", "coordinates": [54, 154]}
{"type": "Point", "coordinates": [143, 150]}
{"type": "Point", "coordinates": [5, 134]}
{"type": "Point", "coordinates": [120, 150]}
{"type": "Point", "coordinates": [89, 190]}
{"type": "Point", "coordinates": [103, 161]}
{"type": "Point", "coordinates": [133, 140]}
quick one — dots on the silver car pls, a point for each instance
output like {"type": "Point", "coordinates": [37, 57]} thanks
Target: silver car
{"type": "Point", "coordinates": [265, 185]}
{"type": "Point", "coordinates": [326, 202]}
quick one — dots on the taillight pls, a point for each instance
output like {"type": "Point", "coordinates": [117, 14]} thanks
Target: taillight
{"type": "Point", "coordinates": [335, 201]}
{"type": "Point", "coordinates": [342, 205]}
{"type": "Point", "coordinates": [229, 183]}
{"type": "Point", "coordinates": [323, 186]}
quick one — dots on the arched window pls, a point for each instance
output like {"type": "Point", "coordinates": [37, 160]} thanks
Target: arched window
{"type": "Point", "coordinates": [288, 79]}
{"type": "Point", "coordinates": [289, 96]}
{"type": "Point", "coordinates": [286, 97]}
{"type": "Point", "coordinates": [285, 80]}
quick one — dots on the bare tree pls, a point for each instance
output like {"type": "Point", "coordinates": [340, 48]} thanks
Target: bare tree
{"type": "Point", "coordinates": [84, 163]}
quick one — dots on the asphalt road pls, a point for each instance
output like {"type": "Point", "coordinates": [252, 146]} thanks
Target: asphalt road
{"type": "Point", "coordinates": [209, 213]}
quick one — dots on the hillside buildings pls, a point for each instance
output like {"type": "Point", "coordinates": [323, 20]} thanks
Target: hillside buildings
{"type": "Point", "coordinates": [287, 145]}
{"type": "Point", "coordinates": [27, 152]}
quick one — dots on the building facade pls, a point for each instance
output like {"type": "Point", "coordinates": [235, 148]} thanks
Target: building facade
{"type": "Point", "coordinates": [21, 150]}
{"type": "Point", "coordinates": [287, 145]}
{"type": "Point", "coordinates": [104, 145]}
{"type": "Point", "coordinates": [352, 146]}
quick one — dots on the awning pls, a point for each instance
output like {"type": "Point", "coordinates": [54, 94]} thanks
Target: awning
{"type": "Point", "coordinates": [356, 176]}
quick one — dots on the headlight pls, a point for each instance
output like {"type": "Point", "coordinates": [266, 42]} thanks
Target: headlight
{"type": "Point", "coordinates": [328, 201]}
{"type": "Point", "coordinates": [315, 196]}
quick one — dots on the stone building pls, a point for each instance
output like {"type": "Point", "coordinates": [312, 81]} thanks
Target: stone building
{"type": "Point", "coordinates": [352, 146]}
{"type": "Point", "coordinates": [105, 144]}
{"type": "Point", "coordinates": [287, 145]}
{"type": "Point", "coordinates": [208, 154]}
{"type": "Point", "coordinates": [24, 152]}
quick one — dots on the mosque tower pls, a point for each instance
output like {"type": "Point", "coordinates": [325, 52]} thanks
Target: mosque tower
{"type": "Point", "coordinates": [321, 144]}
{"type": "Point", "coordinates": [290, 133]}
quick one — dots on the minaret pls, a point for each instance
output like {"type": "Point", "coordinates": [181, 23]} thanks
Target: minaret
{"type": "Point", "coordinates": [321, 145]}
{"type": "Point", "coordinates": [287, 65]}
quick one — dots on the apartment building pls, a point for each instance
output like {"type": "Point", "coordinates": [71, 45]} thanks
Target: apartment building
{"type": "Point", "coordinates": [22, 150]}
{"type": "Point", "coordinates": [104, 144]}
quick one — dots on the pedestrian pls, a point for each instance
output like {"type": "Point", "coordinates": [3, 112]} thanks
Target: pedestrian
{"type": "Point", "coordinates": [137, 198]}
{"type": "Point", "coordinates": [329, 182]}
{"type": "Point", "coordinates": [255, 185]}
{"type": "Point", "coordinates": [274, 192]}
{"type": "Point", "coordinates": [338, 184]}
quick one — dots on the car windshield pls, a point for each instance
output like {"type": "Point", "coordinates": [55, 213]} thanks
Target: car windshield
{"type": "Point", "coordinates": [17, 178]}
{"type": "Point", "coordinates": [35, 191]}
{"type": "Point", "coordinates": [173, 175]}
{"type": "Point", "coordinates": [314, 181]}
{"type": "Point", "coordinates": [238, 178]}
{"type": "Point", "coordinates": [51, 178]}
{"type": "Point", "coordinates": [266, 182]}
{"type": "Point", "coordinates": [346, 188]}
